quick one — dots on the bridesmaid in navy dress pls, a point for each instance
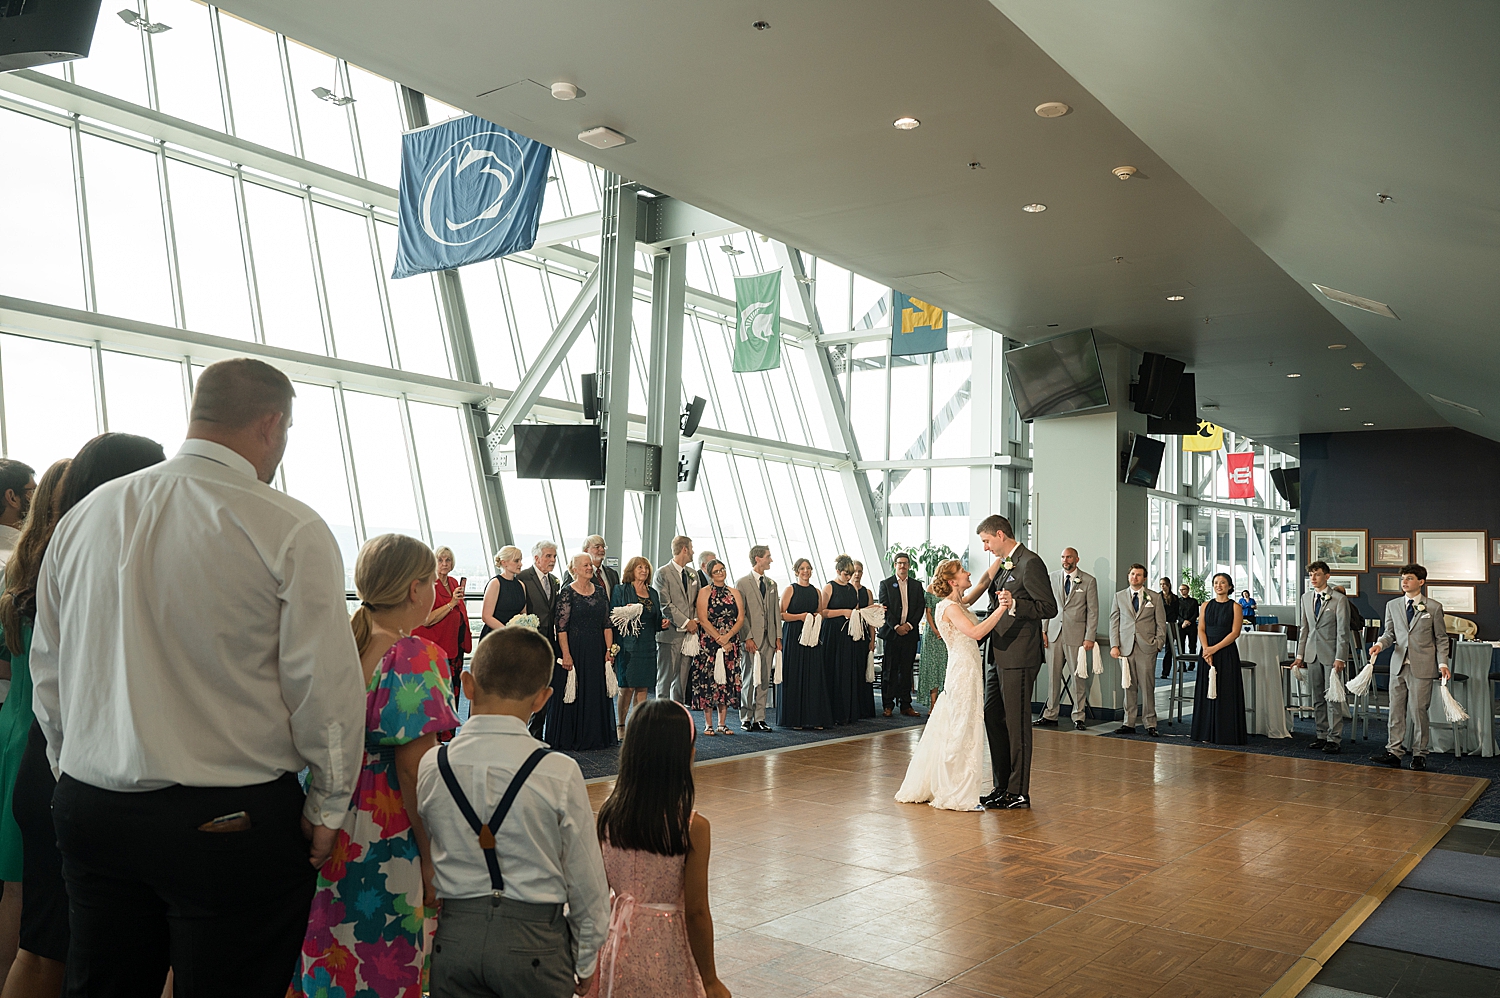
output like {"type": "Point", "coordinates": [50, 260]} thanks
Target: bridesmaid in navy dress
{"type": "Point", "coordinates": [865, 691]}
{"type": "Point", "coordinates": [839, 602]}
{"type": "Point", "coordinates": [804, 686]}
{"type": "Point", "coordinates": [584, 636]}
{"type": "Point", "coordinates": [1221, 720]}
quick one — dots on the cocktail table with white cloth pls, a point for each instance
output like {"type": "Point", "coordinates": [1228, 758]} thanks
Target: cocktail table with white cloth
{"type": "Point", "coordinates": [1266, 650]}
{"type": "Point", "coordinates": [1477, 734]}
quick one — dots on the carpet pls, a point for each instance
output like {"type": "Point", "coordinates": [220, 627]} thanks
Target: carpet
{"type": "Point", "coordinates": [1457, 873]}
{"type": "Point", "coordinates": [1439, 925]}
{"type": "Point", "coordinates": [1355, 752]}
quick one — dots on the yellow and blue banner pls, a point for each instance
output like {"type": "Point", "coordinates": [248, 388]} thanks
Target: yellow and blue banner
{"type": "Point", "coordinates": [470, 191]}
{"type": "Point", "coordinates": [1208, 438]}
{"type": "Point", "coordinates": [917, 327]}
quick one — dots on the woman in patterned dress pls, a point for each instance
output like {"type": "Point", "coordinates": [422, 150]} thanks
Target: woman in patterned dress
{"type": "Point", "coordinates": [584, 638]}
{"type": "Point", "coordinates": [933, 668]}
{"type": "Point", "coordinates": [369, 927]}
{"type": "Point", "coordinates": [721, 612]}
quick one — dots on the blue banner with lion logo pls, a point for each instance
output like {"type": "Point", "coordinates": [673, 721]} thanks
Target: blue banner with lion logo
{"type": "Point", "coordinates": [470, 191]}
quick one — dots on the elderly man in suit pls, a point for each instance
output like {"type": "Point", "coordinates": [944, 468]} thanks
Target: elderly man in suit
{"type": "Point", "coordinates": [762, 636]}
{"type": "Point", "coordinates": [541, 596]}
{"type": "Point", "coordinates": [704, 560]}
{"type": "Point", "coordinates": [901, 595]}
{"type": "Point", "coordinates": [1137, 630]}
{"type": "Point", "coordinates": [1018, 586]}
{"type": "Point", "coordinates": [1074, 627]}
{"type": "Point", "coordinates": [1414, 628]}
{"type": "Point", "coordinates": [1323, 649]}
{"type": "Point", "coordinates": [605, 576]}
{"type": "Point", "coordinates": [678, 586]}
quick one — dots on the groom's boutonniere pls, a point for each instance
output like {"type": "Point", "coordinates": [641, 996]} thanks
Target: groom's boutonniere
{"type": "Point", "coordinates": [1007, 564]}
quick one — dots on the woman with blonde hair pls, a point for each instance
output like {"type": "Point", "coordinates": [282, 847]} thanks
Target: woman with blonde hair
{"type": "Point", "coordinates": [505, 596]}
{"type": "Point", "coordinates": [370, 916]}
{"type": "Point", "coordinates": [951, 767]}
{"type": "Point", "coordinates": [447, 626]}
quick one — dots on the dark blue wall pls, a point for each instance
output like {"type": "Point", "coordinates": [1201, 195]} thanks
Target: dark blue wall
{"type": "Point", "coordinates": [1394, 482]}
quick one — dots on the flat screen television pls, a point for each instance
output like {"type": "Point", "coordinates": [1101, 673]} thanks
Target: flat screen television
{"type": "Point", "coordinates": [544, 451]}
{"type": "Point", "coordinates": [1144, 463]}
{"type": "Point", "coordinates": [1057, 375]}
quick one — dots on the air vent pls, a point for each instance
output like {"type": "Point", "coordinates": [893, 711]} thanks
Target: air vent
{"type": "Point", "coordinates": [1345, 298]}
{"type": "Point", "coordinates": [1456, 405]}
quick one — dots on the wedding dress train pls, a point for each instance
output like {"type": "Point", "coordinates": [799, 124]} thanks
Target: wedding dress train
{"type": "Point", "coordinates": [951, 767]}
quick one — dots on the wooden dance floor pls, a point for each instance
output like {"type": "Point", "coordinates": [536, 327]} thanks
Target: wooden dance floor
{"type": "Point", "coordinates": [1143, 870]}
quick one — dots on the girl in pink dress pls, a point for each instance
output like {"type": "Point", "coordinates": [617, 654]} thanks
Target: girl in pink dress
{"type": "Point", "coordinates": [661, 935]}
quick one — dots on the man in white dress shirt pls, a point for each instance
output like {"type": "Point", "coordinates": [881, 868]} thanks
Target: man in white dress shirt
{"type": "Point", "coordinates": [762, 636]}
{"type": "Point", "coordinates": [192, 653]}
{"type": "Point", "coordinates": [1075, 626]}
{"type": "Point", "coordinates": [1414, 628]}
{"type": "Point", "coordinates": [1137, 630]}
{"type": "Point", "coordinates": [17, 483]}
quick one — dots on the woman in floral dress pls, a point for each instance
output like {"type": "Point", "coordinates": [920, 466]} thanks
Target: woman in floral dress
{"type": "Point", "coordinates": [722, 614]}
{"type": "Point", "coordinates": [369, 927]}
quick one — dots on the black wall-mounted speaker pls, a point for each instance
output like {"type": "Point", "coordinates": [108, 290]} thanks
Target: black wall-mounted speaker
{"type": "Point", "coordinates": [1182, 418]}
{"type": "Point", "coordinates": [1157, 390]}
{"type": "Point", "coordinates": [1288, 485]}
{"type": "Point", "coordinates": [693, 415]}
{"type": "Point", "coordinates": [39, 32]}
{"type": "Point", "coordinates": [590, 397]}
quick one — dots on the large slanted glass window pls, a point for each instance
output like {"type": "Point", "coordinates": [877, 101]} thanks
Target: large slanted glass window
{"type": "Point", "coordinates": [442, 457]}
{"type": "Point", "coordinates": [313, 468]}
{"type": "Point", "coordinates": [37, 199]}
{"type": "Point", "coordinates": [187, 78]}
{"type": "Point", "coordinates": [116, 63]}
{"type": "Point", "coordinates": [210, 253]}
{"type": "Point", "coordinates": [377, 110]}
{"type": "Point", "coordinates": [126, 239]}
{"type": "Point", "coordinates": [252, 61]}
{"type": "Point", "coordinates": [414, 311]}
{"type": "Point", "coordinates": [144, 395]}
{"type": "Point", "coordinates": [284, 280]}
{"type": "Point", "coordinates": [349, 279]}
{"type": "Point", "coordinates": [324, 126]}
{"type": "Point", "coordinates": [49, 399]}
{"type": "Point", "coordinates": [489, 325]}
{"type": "Point", "coordinates": [385, 487]}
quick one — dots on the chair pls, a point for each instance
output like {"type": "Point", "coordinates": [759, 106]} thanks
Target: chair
{"type": "Point", "coordinates": [1177, 691]}
{"type": "Point", "coordinates": [1298, 703]}
{"type": "Point", "coordinates": [1457, 727]}
{"type": "Point", "coordinates": [1249, 688]}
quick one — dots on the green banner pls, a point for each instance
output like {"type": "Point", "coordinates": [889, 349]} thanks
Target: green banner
{"type": "Point", "coordinates": [757, 324]}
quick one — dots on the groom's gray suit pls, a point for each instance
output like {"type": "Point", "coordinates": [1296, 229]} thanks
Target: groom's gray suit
{"type": "Point", "coordinates": [1421, 647]}
{"type": "Point", "coordinates": [1322, 640]}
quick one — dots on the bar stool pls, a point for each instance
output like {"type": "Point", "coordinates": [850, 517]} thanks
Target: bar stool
{"type": "Point", "coordinates": [1177, 692]}
{"type": "Point", "coordinates": [1457, 727]}
{"type": "Point", "coordinates": [1249, 688]}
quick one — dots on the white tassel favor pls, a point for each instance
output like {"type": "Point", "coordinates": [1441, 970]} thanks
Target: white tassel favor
{"type": "Point", "coordinates": [719, 677]}
{"type": "Point", "coordinates": [1213, 682]}
{"type": "Point", "coordinates": [870, 666]}
{"type": "Point", "coordinates": [1360, 684]}
{"type": "Point", "coordinates": [1452, 709]}
{"type": "Point", "coordinates": [1124, 672]}
{"type": "Point", "coordinates": [812, 628]}
{"type": "Point", "coordinates": [611, 681]}
{"type": "Point", "coordinates": [1098, 659]}
{"type": "Point", "coordinates": [857, 626]}
{"type": "Point", "coordinates": [570, 692]}
{"type": "Point", "coordinates": [1082, 671]}
{"type": "Point", "coordinates": [691, 646]}
{"type": "Point", "coordinates": [1336, 688]}
{"type": "Point", "coordinates": [776, 669]}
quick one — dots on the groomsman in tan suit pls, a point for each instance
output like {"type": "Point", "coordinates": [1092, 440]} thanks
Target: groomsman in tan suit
{"type": "Point", "coordinates": [1137, 630]}
{"type": "Point", "coordinates": [1074, 627]}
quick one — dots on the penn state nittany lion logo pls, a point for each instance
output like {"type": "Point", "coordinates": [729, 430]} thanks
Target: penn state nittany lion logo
{"type": "Point", "coordinates": [473, 188]}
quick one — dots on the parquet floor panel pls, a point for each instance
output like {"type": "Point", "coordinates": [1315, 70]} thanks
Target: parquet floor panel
{"type": "Point", "coordinates": [1142, 871]}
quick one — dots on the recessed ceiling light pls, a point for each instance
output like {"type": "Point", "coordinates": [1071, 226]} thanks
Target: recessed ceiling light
{"type": "Point", "coordinates": [1294, 375]}
{"type": "Point", "coordinates": [1369, 424]}
{"type": "Point", "coordinates": [1176, 297]}
{"type": "Point", "coordinates": [906, 123]}
{"type": "Point", "coordinates": [1358, 365]}
{"type": "Point", "coordinates": [761, 25]}
{"type": "Point", "coordinates": [1033, 208]}
{"type": "Point", "coordinates": [1337, 346]}
{"type": "Point", "coordinates": [1052, 109]}
{"type": "Point", "coordinates": [1343, 408]}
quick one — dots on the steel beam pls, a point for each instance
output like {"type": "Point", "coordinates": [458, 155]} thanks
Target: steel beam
{"type": "Point", "coordinates": [856, 484]}
{"type": "Point", "coordinates": [664, 401]}
{"type": "Point", "coordinates": [616, 298]}
{"type": "Point", "coordinates": [665, 222]}
{"type": "Point", "coordinates": [573, 323]}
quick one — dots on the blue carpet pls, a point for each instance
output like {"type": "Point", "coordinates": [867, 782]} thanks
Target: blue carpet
{"type": "Point", "coordinates": [1355, 752]}
{"type": "Point", "coordinates": [1438, 925]}
{"type": "Point", "coordinates": [1460, 874]}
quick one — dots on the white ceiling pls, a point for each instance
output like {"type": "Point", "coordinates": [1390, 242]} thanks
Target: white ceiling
{"type": "Point", "coordinates": [788, 131]}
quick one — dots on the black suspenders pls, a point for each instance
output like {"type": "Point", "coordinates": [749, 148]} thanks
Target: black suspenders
{"type": "Point", "coordinates": [487, 832]}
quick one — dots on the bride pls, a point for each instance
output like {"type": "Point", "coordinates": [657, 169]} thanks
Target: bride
{"type": "Point", "coordinates": [951, 768]}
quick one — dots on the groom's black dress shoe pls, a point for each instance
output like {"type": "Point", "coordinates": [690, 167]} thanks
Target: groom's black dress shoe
{"type": "Point", "coordinates": [1015, 802]}
{"type": "Point", "coordinates": [1044, 722]}
{"type": "Point", "coordinates": [995, 800]}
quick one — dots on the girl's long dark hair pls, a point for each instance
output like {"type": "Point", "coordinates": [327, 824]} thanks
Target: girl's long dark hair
{"type": "Point", "coordinates": [652, 803]}
{"type": "Point", "coordinates": [103, 459]}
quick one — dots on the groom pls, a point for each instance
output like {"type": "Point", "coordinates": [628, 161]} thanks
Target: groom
{"type": "Point", "coordinates": [1019, 586]}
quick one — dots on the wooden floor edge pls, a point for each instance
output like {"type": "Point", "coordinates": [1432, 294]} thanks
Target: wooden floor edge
{"type": "Point", "coordinates": [1301, 973]}
{"type": "Point", "coordinates": [698, 764]}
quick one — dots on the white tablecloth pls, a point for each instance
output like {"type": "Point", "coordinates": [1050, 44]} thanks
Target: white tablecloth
{"type": "Point", "coordinates": [1266, 650]}
{"type": "Point", "coordinates": [1472, 659]}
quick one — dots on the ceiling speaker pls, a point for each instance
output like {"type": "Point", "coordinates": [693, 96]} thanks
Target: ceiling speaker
{"type": "Point", "coordinates": [590, 397]}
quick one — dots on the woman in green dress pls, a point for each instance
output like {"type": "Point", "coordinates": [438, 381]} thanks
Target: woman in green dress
{"type": "Point", "coordinates": [635, 666]}
{"type": "Point", "coordinates": [932, 669]}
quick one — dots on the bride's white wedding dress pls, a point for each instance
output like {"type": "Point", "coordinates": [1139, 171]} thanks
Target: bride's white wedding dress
{"type": "Point", "coordinates": [951, 767]}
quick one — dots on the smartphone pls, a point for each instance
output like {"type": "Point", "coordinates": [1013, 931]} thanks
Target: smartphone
{"type": "Point", "coordinates": [463, 583]}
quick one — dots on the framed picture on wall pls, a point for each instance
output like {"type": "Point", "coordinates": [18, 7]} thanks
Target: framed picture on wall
{"type": "Point", "coordinates": [1453, 555]}
{"type": "Point", "coordinates": [1455, 599]}
{"type": "Point", "coordinates": [1349, 583]}
{"type": "Point", "coordinates": [1390, 552]}
{"type": "Point", "coordinates": [1495, 550]}
{"type": "Point", "coordinates": [1388, 585]}
{"type": "Point", "coordinates": [1344, 550]}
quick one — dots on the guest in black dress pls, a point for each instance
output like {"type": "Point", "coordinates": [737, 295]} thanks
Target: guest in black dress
{"type": "Point", "coordinates": [865, 691]}
{"type": "Point", "coordinates": [839, 602]}
{"type": "Point", "coordinates": [505, 596]}
{"type": "Point", "coordinates": [584, 637]}
{"type": "Point", "coordinates": [1222, 720]}
{"type": "Point", "coordinates": [803, 696]}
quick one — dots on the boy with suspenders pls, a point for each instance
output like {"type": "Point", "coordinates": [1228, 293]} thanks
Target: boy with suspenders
{"type": "Point", "coordinates": [513, 840]}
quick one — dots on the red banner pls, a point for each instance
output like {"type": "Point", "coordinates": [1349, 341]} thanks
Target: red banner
{"type": "Point", "coordinates": [1241, 475]}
